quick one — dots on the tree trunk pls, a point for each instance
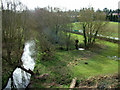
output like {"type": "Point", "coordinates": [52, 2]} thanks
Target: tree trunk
{"type": "Point", "coordinates": [8, 55]}
{"type": "Point", "coordinates": [94, 37]}
{"type": "Point", "coordinates": [85, 38]}
{"type": "Point", "coordinates": [56, 32]}
{"type": "Point", "coordinates": [88, 34]}
{"type": "Point", "coordinates": [12, 82]}
{"type": "Point", "coordinates": [73, 83]}
{"type": "Point", "coordinates": [67, 44]}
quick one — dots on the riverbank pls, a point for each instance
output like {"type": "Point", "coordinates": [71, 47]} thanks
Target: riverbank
{"type": "Point", "coordinates": [20, 76]}
{"type": "Point", "coordinates": [75, 63]}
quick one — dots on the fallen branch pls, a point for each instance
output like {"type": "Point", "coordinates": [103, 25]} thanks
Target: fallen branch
{"type": "Point", "coordinates": [73, 83]}
{"type": "Point", "coordinates": [28, 71]}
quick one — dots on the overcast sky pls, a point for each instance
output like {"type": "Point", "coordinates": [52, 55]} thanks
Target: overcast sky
{"type": "Point", "coordinates": [72, 4]}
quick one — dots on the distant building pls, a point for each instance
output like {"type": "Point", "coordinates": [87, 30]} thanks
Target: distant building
{"type": "Point", "coordinates": [118, 14]}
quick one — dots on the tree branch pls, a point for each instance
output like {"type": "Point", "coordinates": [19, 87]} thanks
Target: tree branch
{"type": "Point", "coordinates": [28, 71]}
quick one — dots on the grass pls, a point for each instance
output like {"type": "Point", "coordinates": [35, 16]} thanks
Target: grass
{"type": "Point", "coordinates": [111, 29]}
{"type": "Point", "coordinates": [69, 64]}
{"type": "Point", "coordinates": [113, 22]}
{"type": "Point", "coordinates": [77, 26]}
{"type": "Point", "coordinates": [97, 65]}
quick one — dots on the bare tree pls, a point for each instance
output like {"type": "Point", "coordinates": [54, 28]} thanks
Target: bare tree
{"type": "Point", "coordinates": [13, 25]}
{"type": "Point", "coordinates": [52, 25]}
{"type": "Point", "coordinates": [93, 23]}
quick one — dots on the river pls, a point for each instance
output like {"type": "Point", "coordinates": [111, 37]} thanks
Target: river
{"type": "Point", "coordinates": [21, 78]}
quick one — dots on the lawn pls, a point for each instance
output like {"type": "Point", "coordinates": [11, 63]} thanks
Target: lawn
{"type": "Point", "coordinates": [69, 64]}
{"type": "Point", "coordinates": [111, 29]}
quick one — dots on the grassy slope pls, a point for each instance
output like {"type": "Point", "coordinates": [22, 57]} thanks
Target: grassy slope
{"type": "Point", "coordinates": [98, 62]}
{"type": "Point", "coordinates": [111, 29]}
{"type": "Point", "coordinates": [68, 64]}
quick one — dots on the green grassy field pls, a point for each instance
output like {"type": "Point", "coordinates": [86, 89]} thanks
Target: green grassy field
{"type": "Point", "coordinates": [113, 23]}
{"type": "Point", "coordinates": [69, 64]}
{"type": "Point", "coordinates": [111, 29]}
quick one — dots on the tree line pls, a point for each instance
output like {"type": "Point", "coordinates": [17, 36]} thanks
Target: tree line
{"type": "Point", "coordinates": [112, 15]}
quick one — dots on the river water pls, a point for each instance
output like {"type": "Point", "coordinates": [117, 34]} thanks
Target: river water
{"type": "Point", "coordinates": [21, 78]}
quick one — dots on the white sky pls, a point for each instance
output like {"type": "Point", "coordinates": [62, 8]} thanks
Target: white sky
{"type": "Point", "coordinates": [72, 4]}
